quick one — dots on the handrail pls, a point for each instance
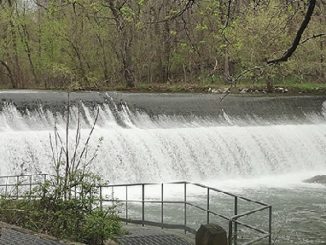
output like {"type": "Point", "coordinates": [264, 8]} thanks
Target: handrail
{"type": "Point", "coordinates": [190, 183]}
{"type": "Point", "coordinates": [252, 227]}
{"type": "Point", "coordinates": [233, 220]}
{"type": "Point", "coordinates": [21, 175]}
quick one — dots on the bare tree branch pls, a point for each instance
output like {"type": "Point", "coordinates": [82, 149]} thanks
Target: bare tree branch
{"type": "Point", "coordinates": [186, 7]}
{"type": "Point", "coordinates": [228, 15]}
{"type": "Point", "coordinates": [9, 73]}
{"type": "Point", "coordinates": [297, 39]}
{"type": "Point", "coordinates": [313, 37]}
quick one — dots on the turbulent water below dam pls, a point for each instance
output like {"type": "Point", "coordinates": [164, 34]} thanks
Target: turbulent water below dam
{"type": "Point", "coordinates": [261, 147]}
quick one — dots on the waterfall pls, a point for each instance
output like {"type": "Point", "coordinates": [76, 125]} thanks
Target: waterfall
{"type": "Point", "coordinates": [140, 146]}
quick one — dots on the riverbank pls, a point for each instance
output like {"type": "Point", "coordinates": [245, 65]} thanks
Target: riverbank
{"type": "Point", "coordinates": [288, 88]}
{"type": "Point", "coordinates": [243, 88]}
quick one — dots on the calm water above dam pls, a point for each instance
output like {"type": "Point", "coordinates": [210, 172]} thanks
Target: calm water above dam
{"type": "Point", "coordinates": [259, 147]}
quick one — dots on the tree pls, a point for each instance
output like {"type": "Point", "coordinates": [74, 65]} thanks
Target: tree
{"type": "Point", "coordinates": [102, 43]}
{"type": "Point", "coordinates": [123, 16]}
{"type": "Point", "coordinates": [298, 36]}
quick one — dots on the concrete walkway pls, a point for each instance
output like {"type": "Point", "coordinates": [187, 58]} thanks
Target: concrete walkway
{"type": "Point", "coordinates": [139, 235]}
{"type": "Point", "coordinates": [15, 235]}
{"type": "Point", "coordinates": [12, 237]}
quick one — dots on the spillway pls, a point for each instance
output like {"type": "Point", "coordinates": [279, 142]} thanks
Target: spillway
{"type": "Point", "coordinates": [143, 145]}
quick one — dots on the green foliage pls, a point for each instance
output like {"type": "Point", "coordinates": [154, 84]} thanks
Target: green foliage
{"type": "Point", "coordinates": [68, 219]}
{"type": "Point", "coordinates": [91, 44]}
{"type": "Point", "coordinates": [99, 226]}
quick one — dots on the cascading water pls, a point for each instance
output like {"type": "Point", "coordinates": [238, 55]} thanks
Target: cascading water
{"type": "Point", "coordinates": [138, 147]}
{"type": "Point", "coordinates": [239, 145]}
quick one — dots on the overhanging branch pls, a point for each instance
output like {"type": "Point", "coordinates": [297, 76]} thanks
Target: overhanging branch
{"type": "Point", "coordinates": [297, 39]}
{"type": "Point", "coordinates": [313, 37]}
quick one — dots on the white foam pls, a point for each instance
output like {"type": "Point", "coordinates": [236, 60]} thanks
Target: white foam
{"type": "Point", "coordinates": [138, 148]}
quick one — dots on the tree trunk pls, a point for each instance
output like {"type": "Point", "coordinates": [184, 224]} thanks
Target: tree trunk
{"type": "Point", "coordinates": [124, 31]}
{"type": "Point", "coordinates": [226, 67]}
{"type": "Point", "coordinates": [128, 71]}
{"type": "Point", "coordinates": [12, 80]}
{"type": "Point", "coordinates": [166, 53]}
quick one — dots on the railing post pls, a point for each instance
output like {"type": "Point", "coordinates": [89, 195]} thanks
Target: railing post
{"type": "Point", "coordinates": [82, 193]}
{"type": "Point", "coordinates": [126, 204]}
{"type": "Point", "coordinates": [270, 226]}
{"type": "Point", "coordinates": [143, 205]}
{"type": "Point", "coordinates": [6, 191]}
{"type": "Point", "coordinates": [17, 192]}
{"type": "Point", "coordinates": [30, 186]}
{"type": "Point", "coordinates": [185, 206]}
{"type": "Point", "coordinates": [162, 206]}
{"type": "Point", "coordinates": [42, 184]}
{"type": "Point", "coordinates": [235, 223]}
{"type": "Point", "coordinates": [230, 232]}
{"type": "Point", "coordinates": [208, 205]}
{"type": "Point", "coordinates": [101, 199]}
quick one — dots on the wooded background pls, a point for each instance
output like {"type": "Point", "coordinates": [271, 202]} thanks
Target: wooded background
{"type": "Point", "coordinates": [98, 44]}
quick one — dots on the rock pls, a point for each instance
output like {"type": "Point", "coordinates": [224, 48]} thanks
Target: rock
{"type": "Point", "coordinates": [244, 91]}
{"type": "Point", "coordinates": [110, 242]}
{"type": "Point", "coordinates": [226, 90]}
{"type": "Point", "coordinates": [211, 234]}
{"type": "Point", "coordinates": [234, 90]}
{"type": "Point", "coordinates": [216, 91]}
{"type": "Point", "coordinates": [281, 90]}
{"type": "Point", "coordinates": [318, 179]}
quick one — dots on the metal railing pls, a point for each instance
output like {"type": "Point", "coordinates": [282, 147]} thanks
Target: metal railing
{"type": "Point", "coordinates": [233, 220]}
{"type": "Point", "coordinates": [21, 186]}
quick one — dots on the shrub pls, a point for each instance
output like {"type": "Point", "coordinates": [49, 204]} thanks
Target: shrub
{"type": "Point", "coordinates": [100, 226]}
